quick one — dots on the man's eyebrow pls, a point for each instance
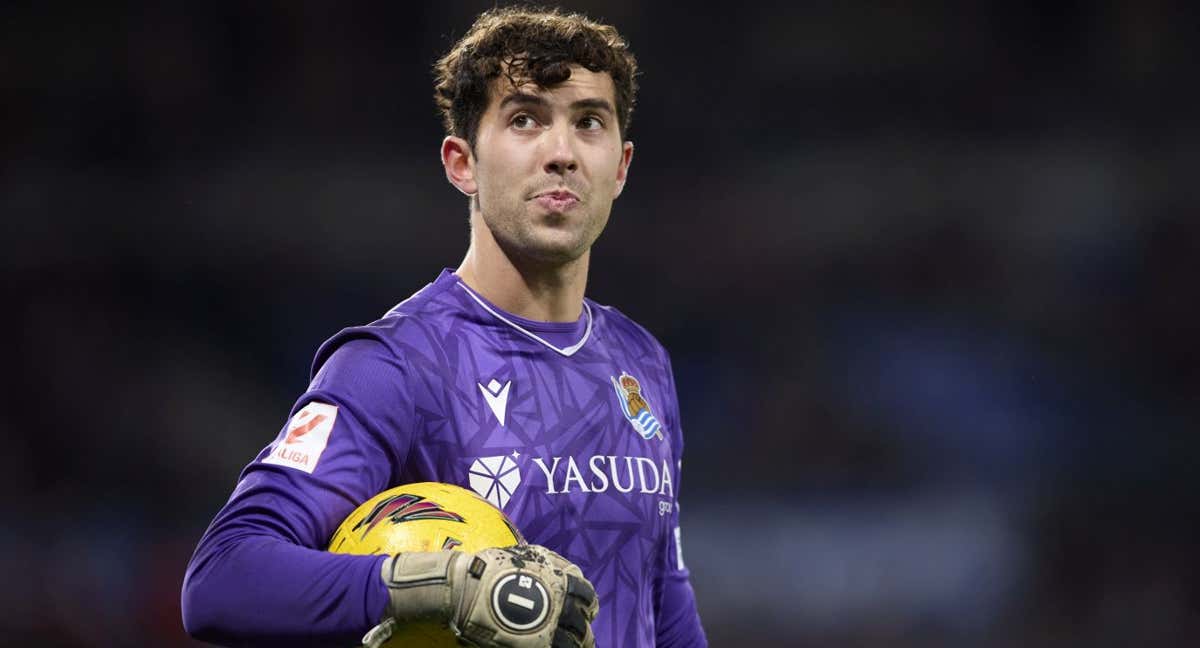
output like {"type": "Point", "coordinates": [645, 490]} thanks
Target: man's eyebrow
{"type": "Point", "coordinates": [526, 99]}
{"type": "Point", "coordinates": [523, 98]}
{"type": "Point", "coordinates": [594, 104]}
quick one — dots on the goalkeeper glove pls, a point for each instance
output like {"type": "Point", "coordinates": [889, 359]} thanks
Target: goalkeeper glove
{"type": "Point", "coordinates": [516, 597]}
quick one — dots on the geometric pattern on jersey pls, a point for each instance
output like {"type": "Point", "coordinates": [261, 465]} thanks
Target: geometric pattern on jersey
{"type": "Point", "coordinates": [560, 458]}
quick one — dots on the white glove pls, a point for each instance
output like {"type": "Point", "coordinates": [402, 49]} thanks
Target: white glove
{"type": "Point", "coordinates": [516, 597]}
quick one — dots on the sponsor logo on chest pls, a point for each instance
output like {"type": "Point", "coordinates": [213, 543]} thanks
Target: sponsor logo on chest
{"type": "Point", "coordinates": [601, 473]}
{"type": "Point", "coordinates": [498, 478]}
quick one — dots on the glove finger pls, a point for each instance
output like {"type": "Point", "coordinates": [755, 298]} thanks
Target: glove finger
{"type": "Point", "coordinates": [577, 584]}
{"type": "Point", "coordinates": [589, 640]}
{"type": "Point", "coordinates": [582, 590]}
{"type": "Point", "coordinates": [574, 619]}
{"type": "Point", "coordinates": [564, 639]}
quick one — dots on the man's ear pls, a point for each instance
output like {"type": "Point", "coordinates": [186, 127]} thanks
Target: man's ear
{"type": "Point", "coordinates": [623, 168]}
{"type": "Point", "coordinates": [459, 164]}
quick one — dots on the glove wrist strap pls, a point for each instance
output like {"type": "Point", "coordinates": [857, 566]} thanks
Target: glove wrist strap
{"type": "Point", "coordinates": [421, 585]}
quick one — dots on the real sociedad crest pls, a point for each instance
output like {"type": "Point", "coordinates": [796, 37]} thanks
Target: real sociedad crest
{"type": "Point", "coordinates": [635, 407]}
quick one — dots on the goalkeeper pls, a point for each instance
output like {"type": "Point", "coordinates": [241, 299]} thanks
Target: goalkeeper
{"type": "Point", "coordinates": [500, 376]}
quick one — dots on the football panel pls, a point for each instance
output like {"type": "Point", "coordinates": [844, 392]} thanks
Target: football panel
{"type": "Point", "coordinates": [424, 517]}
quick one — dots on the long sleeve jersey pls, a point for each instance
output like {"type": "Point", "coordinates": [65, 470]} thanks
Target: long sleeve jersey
{"type": "Point", "coordinates": [571, 429]}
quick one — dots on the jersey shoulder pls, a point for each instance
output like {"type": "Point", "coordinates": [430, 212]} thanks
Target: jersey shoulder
{"type": "Point", "coordinates": [620, 328]}
{"type": "Point", "coordinates": [405, 328]}
{"type": "Point", "coordinates": [613, 323]}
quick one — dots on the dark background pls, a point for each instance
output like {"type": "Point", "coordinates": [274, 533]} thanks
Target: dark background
{"type": "Point", "coordinates": [927, 272]}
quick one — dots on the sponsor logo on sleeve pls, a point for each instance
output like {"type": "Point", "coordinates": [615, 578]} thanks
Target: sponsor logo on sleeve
{"type": "Point", "coordinates": [306, 438]}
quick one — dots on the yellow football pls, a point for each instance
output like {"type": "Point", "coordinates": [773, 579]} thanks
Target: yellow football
{"type": "Point", "coordinates": [426, 516]}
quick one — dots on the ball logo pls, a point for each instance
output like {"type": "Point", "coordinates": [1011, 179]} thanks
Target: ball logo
{"type": "Point", "coordinates": [404, 508]}
{"type": "Point", "coordinates": [495, 479]}
{"type": "Point", "coordinates": [519, 601]}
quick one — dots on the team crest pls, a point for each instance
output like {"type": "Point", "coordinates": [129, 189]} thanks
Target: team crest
{"type": "Point", "coordinates": [635, 407]}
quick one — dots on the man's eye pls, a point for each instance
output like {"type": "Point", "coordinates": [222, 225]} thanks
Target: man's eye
{"type": "Point", "coordinates": [591, 122]}
{"type": "Point", "coordinates": [523, 121]}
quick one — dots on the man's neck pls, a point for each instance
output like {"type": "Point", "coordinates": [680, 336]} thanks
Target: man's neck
{"type": "Point", "coordinates": [542, 292]}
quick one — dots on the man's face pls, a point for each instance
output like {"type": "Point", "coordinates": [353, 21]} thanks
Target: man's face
{"type": "Point", "coordinates": [548, 164]}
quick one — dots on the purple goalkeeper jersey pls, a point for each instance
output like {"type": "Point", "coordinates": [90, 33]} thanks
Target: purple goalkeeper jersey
{"type": "Point", "coordinates": [572, 430]}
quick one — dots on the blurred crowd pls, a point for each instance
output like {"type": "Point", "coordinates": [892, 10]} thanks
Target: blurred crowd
{"type": "Point", "coordinates": [925, 271]}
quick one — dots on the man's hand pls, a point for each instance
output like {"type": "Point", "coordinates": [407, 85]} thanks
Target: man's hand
{"type": "Point", "coordinates": [517, 597]}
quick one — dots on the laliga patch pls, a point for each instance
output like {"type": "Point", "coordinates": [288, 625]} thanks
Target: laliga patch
{"type": "Point", "coordinates": [307, 435]}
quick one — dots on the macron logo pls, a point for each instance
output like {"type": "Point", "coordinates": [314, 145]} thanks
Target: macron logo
{"type": "Point", "coordinates": [496, 396]}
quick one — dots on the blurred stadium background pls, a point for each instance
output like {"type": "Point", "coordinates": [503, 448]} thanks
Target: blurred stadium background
{"type": "Point", "coordinates": [927, 271]}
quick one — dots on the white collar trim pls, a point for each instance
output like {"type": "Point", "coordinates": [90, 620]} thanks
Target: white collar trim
{"type": "Point", "coordinates": [566, 351]}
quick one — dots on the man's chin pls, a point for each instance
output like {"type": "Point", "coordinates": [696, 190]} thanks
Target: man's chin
{"type": "Point", "coordinates": [545, 242]}
{"type": "Point", "coordinates": [551, 252]}
{"type": "Point", "coordinates": [556, 255]}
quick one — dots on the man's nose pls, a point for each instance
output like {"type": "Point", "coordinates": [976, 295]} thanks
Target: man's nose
{"type": "Point", "coordinates": [560, 154]}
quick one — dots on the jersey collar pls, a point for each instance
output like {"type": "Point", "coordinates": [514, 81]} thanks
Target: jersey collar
{"type": "Point", "coordinates": [564, 351]}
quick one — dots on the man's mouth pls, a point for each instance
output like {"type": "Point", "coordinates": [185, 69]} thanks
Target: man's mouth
{"type": "Point", "coordinates": [557, 200]}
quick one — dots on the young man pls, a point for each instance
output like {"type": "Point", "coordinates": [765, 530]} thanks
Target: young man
{"type": "Point", "coordinates": [499, 376]}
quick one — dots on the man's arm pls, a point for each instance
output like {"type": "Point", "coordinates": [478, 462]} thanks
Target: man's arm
{"type": "Point", "coordinates": [677, 622]}
{"type": "Point", "coordinates": [260, 575]}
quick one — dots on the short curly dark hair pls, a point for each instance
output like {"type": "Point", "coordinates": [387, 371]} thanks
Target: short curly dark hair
{"type": "Point", "coordinates": [528, 44]}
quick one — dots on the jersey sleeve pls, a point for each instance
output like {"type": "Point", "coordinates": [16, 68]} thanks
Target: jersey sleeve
{"type": "Point", "coordinates": [677, 622]}
{"type": "Point", "coordinates": [260, 574]}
